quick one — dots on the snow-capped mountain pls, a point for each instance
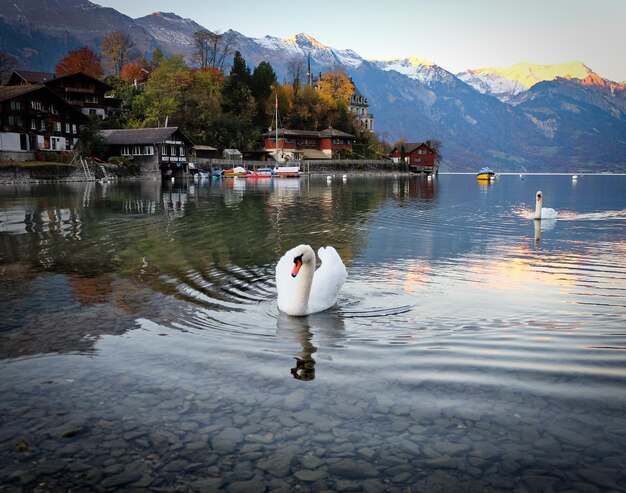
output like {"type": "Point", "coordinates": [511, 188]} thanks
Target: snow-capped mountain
{"type": "Point", "coordinates": [416, 68]}
{"type": "Point", "coordinates": [543, 117]}
{"type": "Point", "coordinates": [303, 45]}
{"type": "Point", "coordinates": [170, 31]}
{"type": "Point", "coordinates": [506, 83]}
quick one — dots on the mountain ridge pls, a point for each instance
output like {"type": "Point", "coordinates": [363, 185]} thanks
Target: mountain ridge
{"type": "Point", "coordinates": [493, 116]}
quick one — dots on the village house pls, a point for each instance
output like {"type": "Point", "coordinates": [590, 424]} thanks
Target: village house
{"type": "Point", "coordinates": [33, 118]}
{"type": "Point", "coordinates": [294, 145]}
{"type": "Point", "coordinates": [166, 149]}
{"type": "Point", "coordinates": [82, 91]}
{"type": "Point", "coordinates": [419, 157]}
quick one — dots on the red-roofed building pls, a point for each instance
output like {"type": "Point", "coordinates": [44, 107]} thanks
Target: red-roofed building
{"type": "Point", "coordinates": [295, 145]}
{"type": "Point", "coordinates": [419, 157]}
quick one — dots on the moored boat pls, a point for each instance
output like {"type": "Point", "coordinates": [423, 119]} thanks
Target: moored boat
{"type": "Point", "coordinates": [261, 173]}
{"type": "Point", "coordinates": [287, 171]}
{"type": "Point", "coordinates": [236, 171]}
{"type": "Point", "coordinates": [485, 174]}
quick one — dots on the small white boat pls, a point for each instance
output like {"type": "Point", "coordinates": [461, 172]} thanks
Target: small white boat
{"type": "Point", "coordinates": [287, 171]}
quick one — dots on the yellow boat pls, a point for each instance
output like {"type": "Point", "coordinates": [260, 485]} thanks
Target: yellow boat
{"type": "Point", "coordinates": [485, 174]}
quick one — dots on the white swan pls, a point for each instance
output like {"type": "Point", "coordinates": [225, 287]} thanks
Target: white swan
{"type": "Point", "coordinates": [302, 290]}
{"type": "Point", "coordinates": [543, 212]}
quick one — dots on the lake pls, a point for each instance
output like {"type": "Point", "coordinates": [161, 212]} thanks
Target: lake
{"type": "Point", "coordinates": [471, 349]}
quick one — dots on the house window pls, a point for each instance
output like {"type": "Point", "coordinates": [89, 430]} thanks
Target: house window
{"type": "Point", "coordinates": [33, 124]}
{"type": "Point", "coordinates": [42, 126]}
{"type": "Point", "coordinates": [67, 128]}
{"type": "Point", "coordinates": [172, 150]}
{"type": "Point", "coordinates": [164, 150]}
{"type": "Point", "coordinates": [425, 159]}
{"type": "Point", "coordinates": [181, 151]}
{"type": "Point", "coordinates": [124, 151]}
{"type": "Point", "coordinates": [136, 150]}
{"type": "Point", "coordinates": [74, 128]}
{"type": "Point", "coordinates": [57, 126]}
{"type": "Point", "coordinates": [16, 106]}
{"type": "Point", "coordinates": [53, 110]}
{"type": "Point", "coordinates": [36, 105]}
{"type": "Point", "coordinates": [148, 150]}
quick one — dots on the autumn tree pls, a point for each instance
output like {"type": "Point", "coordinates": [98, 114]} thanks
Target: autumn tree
{"type": "Point", "coordinates": [163, 96]}
{"type": "Point", "coordinates": [83, 59]}
{"type": "Point", "coordinates": [117, 51]}
{"type": "Point", "coordinates": [336, 84]}
{"type": "Point", "coordinates": [133, 72]}
{"type": "Point", "coordinates": [295, 67]}
{"type": "Point", "coordinates": [202, 104]}
{"type": "Point", "coordinates": [8, 63]}
{"type": "Point", "coordinates": [211, 49]}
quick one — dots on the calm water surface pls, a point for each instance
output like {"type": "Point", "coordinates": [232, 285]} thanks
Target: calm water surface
{"type": "Point", "coordinates": [471, 349]}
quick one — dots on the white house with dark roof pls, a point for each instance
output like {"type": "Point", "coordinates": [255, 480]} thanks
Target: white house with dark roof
{"type": "Point", "coordinates": [33, 118]}
{"type": "Point", "coordinates": [86, 93]}
{"type": "Point", "coordinates": [166, 149]}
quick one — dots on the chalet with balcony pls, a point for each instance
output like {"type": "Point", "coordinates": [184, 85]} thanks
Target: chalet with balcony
{"type": "Point", "coordinates": [295, 145]}
{"type": "Point", "coordinates": [82, 91]}
{"type": "Point", "coordinates": [419, 157]}
{"type": "Point", "coordinates": [33, 118]}
{"type": "Point", "coordinates": [166, 149]}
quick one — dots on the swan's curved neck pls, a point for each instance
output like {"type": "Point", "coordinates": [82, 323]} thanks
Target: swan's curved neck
{"type": "Point", "coordinates": [538, 208]}
{"type": "Point", "coordinates": [303, 288]}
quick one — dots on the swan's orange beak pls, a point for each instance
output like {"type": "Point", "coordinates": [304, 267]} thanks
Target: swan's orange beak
{"type": "Point", "coordinates": [297, 263]}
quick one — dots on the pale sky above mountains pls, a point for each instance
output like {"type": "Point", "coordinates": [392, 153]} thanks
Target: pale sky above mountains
{"type": "Point", "coordinates": [455, 34]}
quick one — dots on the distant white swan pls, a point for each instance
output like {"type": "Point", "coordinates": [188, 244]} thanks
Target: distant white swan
{"type": "Point", "coordinates": [302, 290]}
{"type": "Point", "coordinates": [543, 212]}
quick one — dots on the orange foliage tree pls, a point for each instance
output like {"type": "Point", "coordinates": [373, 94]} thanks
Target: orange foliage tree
{"type": "Point", "coordinates": [81, 60]}
{"type": "Point", "coordinates": [133, 71]}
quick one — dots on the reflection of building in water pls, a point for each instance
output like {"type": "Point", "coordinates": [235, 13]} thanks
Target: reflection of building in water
{"type": "Point", "coordinates": [417, 186]}
{"type": "Point", "coordinates": [422, 186]}
{"type": "Point", "coordinates": [175, 198]}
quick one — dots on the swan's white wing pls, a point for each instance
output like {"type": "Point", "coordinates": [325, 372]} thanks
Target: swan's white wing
{"type": "Point", "coordinates": [285, 284]}
{"type": "Point", "coordinates": [327, 281]}
{"type": "Point", "coordinates": [548, 213]}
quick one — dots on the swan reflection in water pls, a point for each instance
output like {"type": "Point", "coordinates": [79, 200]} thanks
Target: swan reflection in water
{"type": "Point", "coordinates": [328, 329]}
{"type": "Point", "coordinates": [543, 225]}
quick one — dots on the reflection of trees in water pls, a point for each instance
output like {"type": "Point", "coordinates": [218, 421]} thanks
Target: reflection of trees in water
{"type": "Point", "coordinates": [47, 319]}
{"type": "Point", "coordinates": [99, 237]}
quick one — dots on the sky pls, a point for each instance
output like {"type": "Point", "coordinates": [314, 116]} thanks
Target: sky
{"type": "Point", "coordinates": [455, 34]}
